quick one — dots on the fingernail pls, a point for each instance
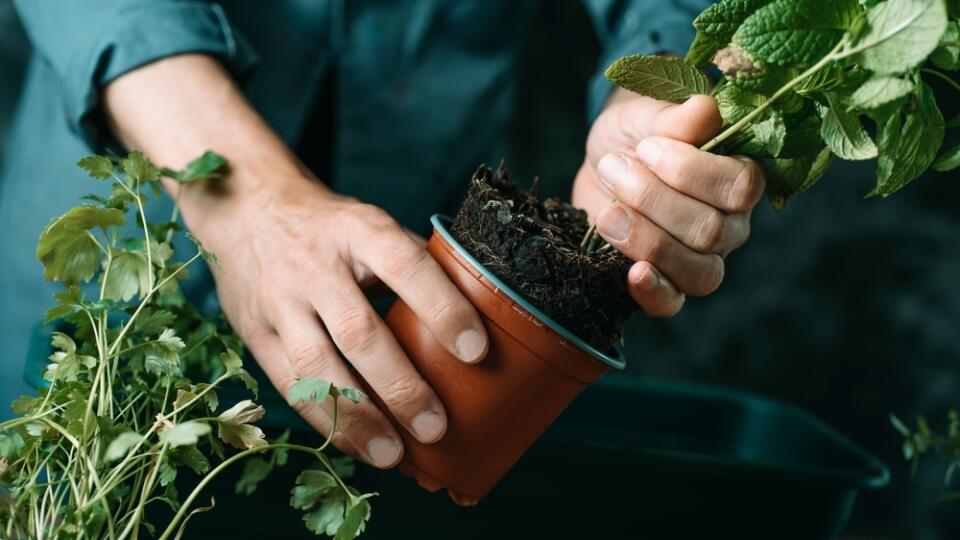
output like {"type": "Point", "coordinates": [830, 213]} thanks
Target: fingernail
{"type": "Point", "coordinates": [647, 280]}
{"type": "Point", "coordinates": [383, 452]}
{"type": "Point", "coordinates": [649, 151]}
{"type": "Point", "coordinates": [611, 169]}
{"type": "Point", "coordinates": [614, 223]}
{"type": "Point", "coordinates": [428, 426]}
{"type": "Point", "coordinates": [469, 345]}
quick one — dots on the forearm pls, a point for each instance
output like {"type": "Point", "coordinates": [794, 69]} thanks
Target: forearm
{"type": "Point", "coordinates": [177, 108]}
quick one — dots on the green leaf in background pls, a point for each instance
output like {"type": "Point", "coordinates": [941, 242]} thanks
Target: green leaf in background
{"type": "Point", "coordinates": [949, 161]}
{"type": "Point", "coordinates": [97, 166]}
{"type": "Point", "coordinates": [792, 176]}
{"type": "Point", "coordinates": [796, 32]}
{"type": "Point", "coordinates": [771, 133]}
{"type": "Point", "coordinates": [667, 79]}
{"type": "Point", "coordinates": [205, 167]}
{"type": "Point", "coordinates": [66, 248]}
{"type": "Point", "coordinates": [899, 35]}
{"type": "Point", "coordinates": [803, 134]}
{"type": "Point", "coordinates": [139, 167]}
{"type": "Point", "coordinates": [122, 444]}
{"type": "Point", "coordinates": [305, 390]}
{"type": "Point", "coordinates": [909, 143]}
{"type": "Point", "coordinates": [716, 26]}
{"type": "Point", "coordinates": [185, 434]}
{"type": "Point", "coordinates": [844, 134]}
{"type": "Point", "coordinates": [129, 276]}
{"type": "Point", "coordinates": [947, 54]}
{"type": "Point", "coordinates": [880, 92]}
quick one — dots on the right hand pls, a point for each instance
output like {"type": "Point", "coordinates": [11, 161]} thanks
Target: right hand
{"type": "Point", "coordinates": [294, 264]}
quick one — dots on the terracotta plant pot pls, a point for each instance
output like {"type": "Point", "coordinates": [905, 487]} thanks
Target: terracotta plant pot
{"type": "Point", "coordinates": [496, 409]}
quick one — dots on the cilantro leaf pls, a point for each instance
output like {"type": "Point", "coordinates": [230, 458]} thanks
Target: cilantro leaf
{"type": "Point", "coordinates": [128, 276]}
{"type": "Point", "coordinates": [667, 79]}
{"type": "Point", "coordinates": [308, 390]}
{"type": "Point", "coordinates": [139, 167]}
{"type": "Point", "coordinates": [97, 166]}
{"type": "Point", "coordinates": [185, 434]}
{"type": "Point", "coordinates": [236, 429]}
{"type": "Point", "coordinates": [68, 251]}
{"type": "Point", "coordinates": [122, 444]}
{"type": "Point", "coordinates": [205, 167]}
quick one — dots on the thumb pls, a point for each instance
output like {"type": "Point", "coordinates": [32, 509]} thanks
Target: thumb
{"type": "Point", "coordinates": [695, 122]}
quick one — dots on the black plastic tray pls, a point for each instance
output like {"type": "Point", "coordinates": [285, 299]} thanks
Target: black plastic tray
{"type": "Point", "coordinates": [629, 459]}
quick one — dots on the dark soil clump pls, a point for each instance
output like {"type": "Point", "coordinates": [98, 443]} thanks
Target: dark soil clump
{"type": "Point", "coordinates": [534, 246]}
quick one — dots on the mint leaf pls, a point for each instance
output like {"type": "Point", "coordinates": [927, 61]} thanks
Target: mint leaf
{"type": "Point", "coordinates": [308, 390]}
{"type": "Point", "coordinates": [771, 133]}
{"type": "Point", "coordinates": [716, 26]}
{"type": "Point", "coordinates": [796, 32]}
{"type": "Point", "coordinates": [788, 178]}
{"type": "Point", "coordinates": [949, 161]}
{"type": "Point", "coordinates": [844, 134]}
{"type": "Point", "coordinates": [67, 250]}
{"type": "Point", "coordinates": [947, 54]}
{"type": "Point", "coordinates": [908, 143]}
{"type": "Point", "coordinates": [880, 92]}
{"type": "Point", "coordinates": [97, 166]}
{"type": "Point", "coordinates": [899, 35]}
{"type": "Point", "coordinates": [666, 79]}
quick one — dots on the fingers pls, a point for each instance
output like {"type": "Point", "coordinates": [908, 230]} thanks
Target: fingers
{"type": "Point", "coordinates": [695, 122]}
{"type": "Point", "coordinates": [405, 266]}
{"type": "Point", "coordinates": [730, 184]}
{"type": "Point", "coordinates": [639, 239]}
{"type": "Point", "coordinates": [694, 223]}
{"type": "Point", "coordinates": [654, 293]}
{"type": "Point", "coordinates": [371, 348]}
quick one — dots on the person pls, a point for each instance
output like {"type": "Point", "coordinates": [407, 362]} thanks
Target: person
{"type": "Point", "coordinates": [411, 97]}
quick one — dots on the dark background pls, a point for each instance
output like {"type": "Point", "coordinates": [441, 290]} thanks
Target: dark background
{"type": "Point", "coordinates": [844, 306]}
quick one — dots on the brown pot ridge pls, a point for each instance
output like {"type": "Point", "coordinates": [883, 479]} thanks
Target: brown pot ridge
{"type": "Point", "coordinates": [496, 409]}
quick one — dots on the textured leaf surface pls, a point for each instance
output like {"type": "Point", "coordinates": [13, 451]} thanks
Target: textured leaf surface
{"type": "Point", "coordinates": [667, 79]}
{"type": "Point", "coordinates": [67, 250]}
{"type": "Point", "coordinates": [909, 143]}
{"type": "Point", "coordinates": [844, 134]}
{"type": "Point", "coordinates": [796, 32]}
{"type": "Point", "coordinates": [716, 26]}
{"type": "Point", "coordinates": [899, 35]}
{"type": "Point", "coordinates": [880, 92]}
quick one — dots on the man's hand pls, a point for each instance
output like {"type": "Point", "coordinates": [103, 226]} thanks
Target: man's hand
{"type": "Point", "coordinates": [295, 257]}
{"type": "Point", "coordinates": [679, 211]}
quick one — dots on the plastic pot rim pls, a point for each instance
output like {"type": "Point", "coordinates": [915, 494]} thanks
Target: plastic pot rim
{"type": "Point", "coordinates": [616, 361]}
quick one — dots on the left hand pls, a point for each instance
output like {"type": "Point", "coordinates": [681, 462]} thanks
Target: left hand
{"type": "Point", "coordinates": [681, 211]}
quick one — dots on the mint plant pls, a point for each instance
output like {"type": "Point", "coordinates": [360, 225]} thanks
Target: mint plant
{"type": "Point", "coordinates": [805, 81]}
{"type": "Point", "coordinates": [131, 401]}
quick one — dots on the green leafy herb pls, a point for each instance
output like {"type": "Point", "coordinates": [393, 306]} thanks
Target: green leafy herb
{"type": "Point", "coordinates": [132, 387]}
{"type": "Point", "coordinates": [801, 75]}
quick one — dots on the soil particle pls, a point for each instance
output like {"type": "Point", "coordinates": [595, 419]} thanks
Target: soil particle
{"type": "Point", "coordinates": [534, 246]}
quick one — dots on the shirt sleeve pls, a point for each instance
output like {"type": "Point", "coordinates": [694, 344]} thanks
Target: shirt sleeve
{"type": "Point", "coordinates": [88, 43]}
{"type": "Point", "coordinates": [637, 27]}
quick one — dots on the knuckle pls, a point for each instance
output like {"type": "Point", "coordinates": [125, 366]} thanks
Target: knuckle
{"type": "Point", "coordinates": [746, 188]}
{"type": "Point", "coordinates": [356, 332]}
{"type": "Point", "coordinates": [402, 391]}
{"type": "Point", "coordinates": [403, 259]}
{"type": "Point", "coordinates": [710, 278]}
{"type": "Point", "coordinates": [709, 231]}
{"type": "Point", "coordinates": [654, 249]}
{"type": "Point", "coordinates": [363, 215]}
{"type": "Point", "coordinates": [309, 357]}
{"type": "Point", "coordinates": [641, 192]}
